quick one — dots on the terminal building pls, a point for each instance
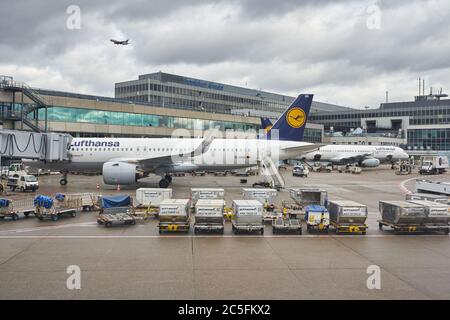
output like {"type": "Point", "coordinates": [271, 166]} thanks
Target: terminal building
{"type": "Point", "coordinates": [421, 126]}
{"type": "Point", "coordinates": [149, 107]}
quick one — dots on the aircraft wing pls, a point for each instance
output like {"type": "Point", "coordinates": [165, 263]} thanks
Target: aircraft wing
{"type": "Point", "coordinates": [153, 163]}
{"type": "Point", "coordinates": [303, 149]}
{"type": "Point", "coordinates": [352, 157]}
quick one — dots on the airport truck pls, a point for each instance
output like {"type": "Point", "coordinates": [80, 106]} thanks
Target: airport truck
{"type": "Point", "coordinates": [402, 216]}
{"type": "Point", "coordinates": [24, 183]}
{"type": "Point", "coordinates": [247, 216]}
{"type": "Point", "coordinates": [209, 216]}
{"type": "Point", "coordinates": [174, 215]}
{"type": "Point", "coordinates": [348, 216]}
{"type": "Point", "coordinates": [433, 164]}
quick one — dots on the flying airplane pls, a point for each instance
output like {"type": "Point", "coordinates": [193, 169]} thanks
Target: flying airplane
{"type": "Point", "coordinates": [125, 160]}
{"type": "Point", "coordinates": [363, 155]}
{"type": "Point", "coordinates": [121, 42]}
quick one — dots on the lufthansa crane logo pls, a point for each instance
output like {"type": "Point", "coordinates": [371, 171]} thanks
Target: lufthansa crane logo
{"type": "Point", "coordinates": [296, 118]}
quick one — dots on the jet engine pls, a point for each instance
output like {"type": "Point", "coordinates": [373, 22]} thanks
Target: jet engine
{"type": "Point", "coordinates": [370, 163]}
{"type": "Point", "coordinates": [119, 173]}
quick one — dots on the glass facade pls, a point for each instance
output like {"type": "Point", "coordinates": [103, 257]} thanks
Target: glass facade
{"type": "Point", "coordinates": [66, 114]}
{"type": "Point", "coordinates": [429, 139]}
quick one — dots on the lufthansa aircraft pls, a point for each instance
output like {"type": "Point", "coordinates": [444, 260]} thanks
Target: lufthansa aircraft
{"type": "Point", "coordinates": [125, 160]}
{"type": "Point", "coordinates": [363, 155]}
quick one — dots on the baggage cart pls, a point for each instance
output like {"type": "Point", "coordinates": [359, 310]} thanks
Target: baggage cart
{"type": "Point", "coordinates": [174, 215]}
{"type": "Point", "coordinates": [247, 216]}
{"type": "Point", "coordinates": [348, 216]}
{"type": "Point", "coordinates": [15, 208]}
{"type": "Point", "coordinates": [286, 225]}
{"type": "Point", "coordinates": [54, 209]}
{"type": "Point", "coordinates": [209, 216]}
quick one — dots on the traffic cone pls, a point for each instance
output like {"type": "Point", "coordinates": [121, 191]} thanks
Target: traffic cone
{"type": "Point", "coordinates": [98, 186]}
{"type": "Point", "coordinates": [118, 187]}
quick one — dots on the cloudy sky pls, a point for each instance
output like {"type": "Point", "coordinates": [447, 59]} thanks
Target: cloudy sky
{"type": "Point", "coordinates": [345, 52]}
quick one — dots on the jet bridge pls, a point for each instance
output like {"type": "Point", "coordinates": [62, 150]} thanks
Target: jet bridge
{"type": "Point", "coordinates": [46, 146]}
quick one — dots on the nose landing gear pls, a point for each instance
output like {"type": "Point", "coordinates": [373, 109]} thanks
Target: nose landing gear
{"type": "Point", "coordinates": [63, 181]}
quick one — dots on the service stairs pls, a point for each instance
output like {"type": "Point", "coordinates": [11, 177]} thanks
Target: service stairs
{"type": "Point", "coordinates": [8, 84]}
{"type": "Point", "coordinates": [269, 170]}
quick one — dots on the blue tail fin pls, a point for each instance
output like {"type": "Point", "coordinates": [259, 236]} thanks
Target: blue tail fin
{"type": "Point", "coordinates": [291, 125]}
{"type": "Point", "coordinates": [266, 124]}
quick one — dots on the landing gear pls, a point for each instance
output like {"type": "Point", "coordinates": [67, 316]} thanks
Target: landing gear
{"type": "Point", "coordinates": [163, 183]}
{"type": "Point", "coordinates": [63, 180]}
{"type": "Point", "coordinates": [168, 177]}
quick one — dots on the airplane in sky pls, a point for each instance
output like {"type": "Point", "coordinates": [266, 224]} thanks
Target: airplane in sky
{"type": "Point", "coordinates": [125, 160]}
{"type": "Point", "coordinates": [120, 42]}
{"type": "Point", "coordinates": [363, 155]}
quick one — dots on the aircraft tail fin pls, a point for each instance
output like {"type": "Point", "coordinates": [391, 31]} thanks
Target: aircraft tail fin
{"type": "Point", "coordinates": [266, 124]}
{"type": "Point", "coordinates": [291, 124]}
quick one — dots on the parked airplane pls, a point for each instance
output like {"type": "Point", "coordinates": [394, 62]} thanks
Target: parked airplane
{"type": "Point", "coordinates": [121, 42]}
{"type": "Point", "coordinates": [363, 155]}
{"type": "Point", "coordinates": [125, 160]}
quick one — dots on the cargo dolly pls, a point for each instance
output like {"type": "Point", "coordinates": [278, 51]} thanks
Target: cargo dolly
{"type": "Point", "coordinates": [415, 228]}
{"type": "Point", "coordinates": [209, 227]}
{"type": "Point", "coordinates": [237, 228]}
{"type": "Point", "coordinates": [13, 209]}
{"type": "Point", "coordinates": [349, 228]}
{"type": "Point", "coordinates": [110, 219]}
{"type": "Point", "coordinates": [174, 226]}
{"type": "Point", "coordinates": [285, 225]}
{"type": "Point", "coordinates": [293, 210]}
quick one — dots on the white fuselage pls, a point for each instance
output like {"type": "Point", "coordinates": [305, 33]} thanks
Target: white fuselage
{"type": "Point", "coordinates": [335, 153]}
{"type": "Point", "coordinates": [89, 154]}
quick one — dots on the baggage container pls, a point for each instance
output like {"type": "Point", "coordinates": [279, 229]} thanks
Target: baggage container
{"type": "Point", "coordinates": [209, 215]}
{"type": "Point", "coordinates": [402, 212]}
{"type": "Point", "coordinates": [348, 216]}
{"type": "Point", "coordinates": [267, 197]}
{"type": "Point", "coordinates": [317, 218]}
{"type": "Point", "coordinates": [206, 193]}
{"type": "Point", "coordinates": [247, 216]}
{"type": "Point", "coordinates": [436, 213]}
{"type": "Point", "coordinates": [174, 215]}
{"type": "Point", "coordinates": [428, 196]}
{"type": "Point", "coordinates": [146, 197]}
{"type": "Point", "coordinates": [436, 187]}
{"type": "Point", "coordinates": [346, 211]}
{"type": "Point", "coordinates": [309, 196]}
